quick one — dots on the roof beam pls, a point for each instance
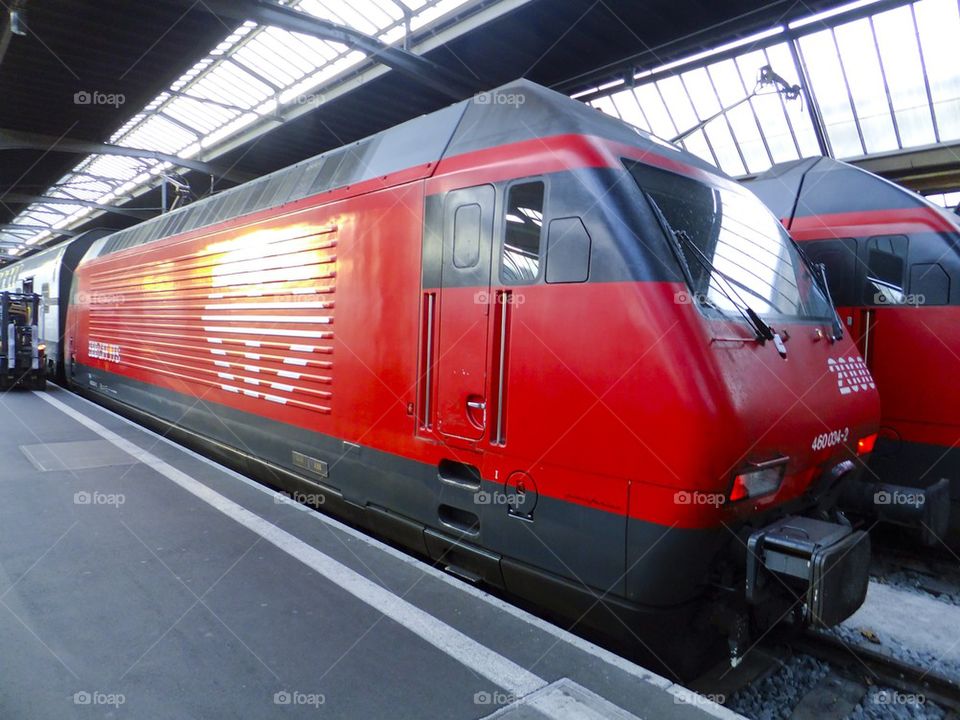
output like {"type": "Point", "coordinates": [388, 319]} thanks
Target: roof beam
{"type": "Point", "coordinates": [13, 227]}
{"type": "Point", "coordinates": [23, 199]}
{"type": "Point", "coordinates": [267, 12]}
{"type": "Point", "coordinates": [927, 169]}
{"type": "Point", "coordinates": [17, 140]}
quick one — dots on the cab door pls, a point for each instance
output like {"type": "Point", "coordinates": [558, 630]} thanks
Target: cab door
{"type": "Point", "coordinates": [464, 307]}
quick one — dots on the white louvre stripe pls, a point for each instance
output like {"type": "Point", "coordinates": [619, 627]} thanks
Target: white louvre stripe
{"type": "Point", "coordinates": [266, 331]}
{"type": "Point", "coordinates": [294, 361]}
{"type": "Point", "coordinates": [288, 374]}
{"type": "Point", "coordinates": [322, 319]}
{"type": "Point", "coordinates": [267, 305]}
{"type": "Point", "coordinates": [302, 348]}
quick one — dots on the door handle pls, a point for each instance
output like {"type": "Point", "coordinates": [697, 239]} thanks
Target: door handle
{"type": "Point", "coordinates": [476, 405]}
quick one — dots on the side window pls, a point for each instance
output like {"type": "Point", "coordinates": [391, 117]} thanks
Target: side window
{"type": "Point", "coordinates": [886, 264]}
{"type": "Point", "coordinates": [929, 284]}
{"type": "Point", "coordinates": [520, 260]}
{"type": "Point", "coordinates": [568, 251]}
{"type": "Point", "coordinates": [466, 236]}
{"type": "Point", "coordinates": [840, 258]}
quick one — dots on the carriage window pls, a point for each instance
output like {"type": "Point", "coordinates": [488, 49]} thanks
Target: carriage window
{"type": "Point", "coordinates": [886, 263]}
{"type": "Point", "coordinates": [520, 261]}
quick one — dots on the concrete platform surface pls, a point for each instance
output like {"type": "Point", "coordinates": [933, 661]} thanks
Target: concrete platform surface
{"type": "Point", "coordinates": [140, 580]}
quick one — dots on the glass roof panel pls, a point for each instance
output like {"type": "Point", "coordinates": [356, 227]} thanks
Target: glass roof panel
{"type": "Point", "coordinates": [858, 53]}
{"type": "Point", "coordinates": [697, 144]}
{"type": "Point", "coordinates": [656, 112]}
{"type": "Point", "coordinates": [678, 103]}
{"type": "Point", "coordinates": [826, 77]}
{"type": "Point", "coordinates": [158, 133]}
{"type": "Point", "coordinates": [939, 24]}
{"type": "Point", "coordinates": [796, 112]}
{"type": "Point", "coordinates": [605, 104]}
{"type": "Point", "coordinates": [900, 55]}
{"type": "Point", "coordinates": [629, 109]}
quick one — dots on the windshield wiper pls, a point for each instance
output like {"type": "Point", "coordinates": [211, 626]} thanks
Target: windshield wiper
{"type": "Point", "coordinates": [762, 330]}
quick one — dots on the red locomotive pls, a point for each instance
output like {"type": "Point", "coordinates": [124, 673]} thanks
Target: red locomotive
{"type": "Point", "coordinates": [893, 263]}
{"type": "Point", "coordinates": [522, 338]}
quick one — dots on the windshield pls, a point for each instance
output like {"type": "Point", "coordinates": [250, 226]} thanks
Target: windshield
{"type": "Point", "coordinates": [734, 249]}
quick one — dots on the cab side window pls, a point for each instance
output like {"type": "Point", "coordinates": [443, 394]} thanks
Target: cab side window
{"type": "Point", "coordinates": [886, 257]}
{"type": "Point", "coordinates": [522, 240]}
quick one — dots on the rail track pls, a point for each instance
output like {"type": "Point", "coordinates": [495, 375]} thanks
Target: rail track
{"type": "Point", "coordinates": [877, 668]}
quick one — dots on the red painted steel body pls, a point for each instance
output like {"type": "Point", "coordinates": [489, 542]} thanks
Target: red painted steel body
{"type": "Point", "coordinates": [617, 397]}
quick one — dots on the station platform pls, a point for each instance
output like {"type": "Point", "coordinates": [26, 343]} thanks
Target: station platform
{"type": "Point", "coordinates": [139, 579]}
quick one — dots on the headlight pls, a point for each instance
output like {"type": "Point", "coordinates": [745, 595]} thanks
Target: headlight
{"type": "Point", "coordinates": [761, 479]}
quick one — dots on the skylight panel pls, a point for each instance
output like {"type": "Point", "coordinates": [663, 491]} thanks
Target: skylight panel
{"type": "Point", "coordinates": [826, 76]}
{"type": "Point", "coordinates": [796, 111]}
{"type": "Point", "coordinates": [678, 103]}
{"type": "Point", "coordinates": [939, 24]}
{"type": "Point", "coordinates": [861, 63]}
{"type": "Point", "coordinates": [362, 15]}
{"type": "Point", "coordinates": [656, 111]}
{"type": "Point", "coordinates": [158, 133]}
{"type": "Point", "coordinates": [900, 55]}
{"type": "Point", "coordinates": [204, 116]}
{"type": "Point", "coordinates": [696, 143]}
{"type": "Point", "coordinates": [628, 107]}
{"type": "Point", "coordinates": [228, 83]}
{"type": "Point", "coordinates": [605, 104]}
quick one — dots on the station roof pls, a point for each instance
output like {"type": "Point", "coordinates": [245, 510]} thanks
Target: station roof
{"type": "Point", "coordinates": [880, 80]}
{"type": "Point", "coordinates": [102, 100]}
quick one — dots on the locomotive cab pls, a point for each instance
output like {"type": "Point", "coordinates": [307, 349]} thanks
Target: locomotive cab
{"type": "Point", "coordinates": [893, 263]}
